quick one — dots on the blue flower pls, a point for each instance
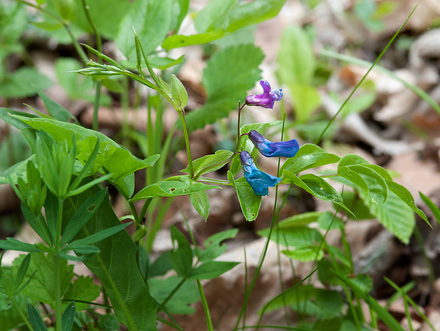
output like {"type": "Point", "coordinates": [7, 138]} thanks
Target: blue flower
{"type": "Point", "coordinates": [267, 99]}
{"type": "Point", "coordinates": [259, 180]}
{"type": "Point", "coordinates": [269, 149]}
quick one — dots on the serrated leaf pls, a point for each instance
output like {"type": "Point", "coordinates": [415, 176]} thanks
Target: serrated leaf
{"type": "Point", "coordinates": [121, 279]}
{"type": "Point", "coordinates": [249, 202]}
{"type": "Point", "coordinates": [82, 289]}
{"type": "Point", "coordinates": [224, 86]}
{"type": "Point", "coordinates": [200, 202]}
{"type": "Point", "coordinates": [42, 285]}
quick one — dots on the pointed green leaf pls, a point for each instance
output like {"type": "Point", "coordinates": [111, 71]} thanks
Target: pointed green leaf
{"type": "Point", "coordinates": [178, 92]}
{"type": "Point", "coordinates": [35, 319]}
{"type": "Point", "coordinates": [211, 269]}
{"type": "Point", "coordinates": [200, 202]}
{"type": "Point", "coordinates": [68, 317]}
{"type": "Point", "coordinates": [96, 237]}
{"type": "Point", "coordinates": [213, 246]}
{"type": "Point", "coordinates": [181, 255]}
{"type": "Point", "coordinates": [249, 202]}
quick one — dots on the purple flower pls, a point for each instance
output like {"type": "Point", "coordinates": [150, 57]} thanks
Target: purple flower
{"type": "Point", "coordinates": [267, 99]}
{"type": "Point", "coordinates": [259, 180]}
{"type": "Point", "coordinates": [269, 149]}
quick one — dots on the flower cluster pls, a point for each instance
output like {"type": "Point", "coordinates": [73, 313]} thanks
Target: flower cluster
{"type": "Point", "coordinates": [259, 180]}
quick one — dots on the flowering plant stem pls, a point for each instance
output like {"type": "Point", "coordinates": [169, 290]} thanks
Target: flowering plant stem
{"type": "Point", "coordinates": [56, 267]}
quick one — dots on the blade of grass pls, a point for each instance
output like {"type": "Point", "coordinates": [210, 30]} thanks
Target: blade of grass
{"type": "Point", "coordinates": [365, 76]}
{"type": "Point", "coordinates": [205, 307]}
{"type": "Point", "coordinates": [408, 299]}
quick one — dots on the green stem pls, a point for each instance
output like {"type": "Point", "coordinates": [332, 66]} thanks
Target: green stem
{"type": "Point", "coordinates": [137, 221]}
{"type": "Point", "coordinates": [56, 267]}
{"type": "Point", "coordinates": [57, 285]}
{"type": "Point", "coordinates": [95, 124]}
{"type": "Point", "coordinates": [66, 26]}
{"type": "Point", "coordinates": [22, 314]}
{"type": "Point", "coordinates": [144, 209]}
{"type": "Point", "coordinates": [188, 149]}
{"type": "Point", "coordinates": [173, 291]}
{"type": "Point", "coordinates": [205, 307]}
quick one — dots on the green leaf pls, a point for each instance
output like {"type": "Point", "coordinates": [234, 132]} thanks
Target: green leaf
{"type": "Point", "coordinates": [330, 303]}
{"type": "Point", "coordinates": [171, 187]}
{"type": "Point", "coordinates": [115, 159]}
{"type": "Point", "coordinates": [254, 12]}
{"type": "Point", "coordinates": [152, 21]}
{"type": "Point", "coordinates": [22, 270]}
{"type": "Point", "coordinates": [300, 236]}
{"type": "Point", "coordinates": [213, 246]}
{"type": "Point", "coordinates": [215, 15]}
{"type": "Point", "coordinates": [308, 161]}
{"type": "Point", "coordinates": [211, 269]}
{"type": "Point", "coordinates": [181, 255]}
{"type": "Point", "coordinates": [394, 214]}
{"type": "Point", "coordinates": [82, 215]}
{"type": "Point", "coordinates": [297, 65]}
{"type": "Point", "coordinates": [292, 298]}
{"type": "Point", "coordinates": [200, 202]}
{"type": "Point", "coordinates": [35, 319]}
{"type": "Point", "coordinates": [15, 245]}
{"type": "Point", "coordinates": [406, 197]}
{"type": "Point", "coordinates": [178, 91]}
{"type": "Point", "coordinates": [228, 75]}
{"type": "Point", "coordinates": [357, 206]}
{"type": "Point", "coordinates": [121, 278]}
{"type": "Point", "coordinates": [181, 300]}
{"type": "Point", "coordinates": [305, 253]}
{"type": "Point", "coordinates": [42, 285]}
{"type": "Point", "coordinates": [96, 237]}
{"type": "Point", "coordinates": [249, 202]}
{"type": "Point", "coordinates": [21, 82]}
{"type": "Point", "coordinates": [82, 289]}
{"type": "Point", "coordinates": [376, 185]}
{"type": "Point", "coordinates": [351, 159]}
{"type": "Point", "coordinates": [68, 317]}
{"type": "Point", "coordinates": [177, 41]}
{"type": "Point", "coordinates": [55, 109]}
{"type": "Point", "coordinates": [300, 219]}
{"type": "Point", "coordinates": [432, 207]}
{"type": "Point", "coordinates": [316, 186]}
{"type": "Point", "coordinates": [212, 161]}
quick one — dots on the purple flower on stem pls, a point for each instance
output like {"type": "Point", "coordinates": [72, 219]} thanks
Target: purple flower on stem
{"type": "Point", "coordinates": [259, 180]}
{"type": "Point", "coordinates": [267, 99]}
{"type": "Point", "coordinates": [269, 149]}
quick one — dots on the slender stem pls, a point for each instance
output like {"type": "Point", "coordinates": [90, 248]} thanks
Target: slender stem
{"type": "Point", "coordinates": [66, 26]}
{"type": "Point", "coordinates": [188, 149]}
{"type": "Point", "coordinates": [137, 221]}
{"type": "Point", "coordinates": [173, 291]}
{"type": "Point", "coordinates": [57, 285]}
{"type": "Point", "coordinates": [56, 267]}
{"type": "Point", "coordinates": [144, 209]}
{"type": "Point", "coordinates": [205, 307]}
{"type": "Point", "coordinates": [95, 123]}
{"type": "Point", "coordinates": [23, 316]}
